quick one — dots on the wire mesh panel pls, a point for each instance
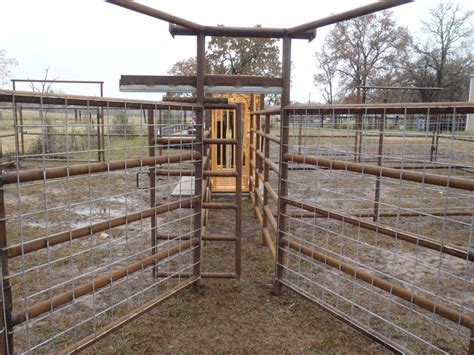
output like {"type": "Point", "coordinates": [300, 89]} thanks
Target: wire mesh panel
{"type": "Point", "coordinates": [83, 204]}
{"type": "Point", "coordinates": [378, 219]}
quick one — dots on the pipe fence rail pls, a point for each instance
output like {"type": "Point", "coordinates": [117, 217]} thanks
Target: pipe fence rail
{"type": "Point", "coordinates": [81, 205]}
{"type": "Point", "coordinates": [375, 219]}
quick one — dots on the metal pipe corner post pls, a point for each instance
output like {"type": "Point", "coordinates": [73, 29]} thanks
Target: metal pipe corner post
{"type": "Point", "coordinates": [200, 61]}
{"type": "Point", "coordinates": [238, 192]}
{"type": "Point", "coordinates": [283, 179]}
{"type": "Point", "coordinates": [6, 327]}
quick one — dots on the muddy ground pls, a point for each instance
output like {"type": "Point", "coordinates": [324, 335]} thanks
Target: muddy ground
{"type": "Point", "coordinates": [237, 316]}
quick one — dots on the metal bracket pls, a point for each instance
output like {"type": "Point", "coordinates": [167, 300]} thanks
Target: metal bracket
{"type": "Point", "coordinates": [137, 177]}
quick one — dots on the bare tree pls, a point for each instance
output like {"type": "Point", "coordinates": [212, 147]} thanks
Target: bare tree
{"type": "Point", "coordinates": [326, 74]}
{"type": "Point", "coordinates": [5, 66]}
{"type": "Point", "coordinates": [46, 85]}
{"type": "Point", "coordinates": [443, 56]}
{"type": "Point", "coordinates": [365, 49]}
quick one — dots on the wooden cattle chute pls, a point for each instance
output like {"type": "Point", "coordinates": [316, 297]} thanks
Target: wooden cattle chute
{"type": "Point", "coordinates": [324, 248]}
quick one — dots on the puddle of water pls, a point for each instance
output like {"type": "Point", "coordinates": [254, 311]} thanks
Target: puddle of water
{"type": "Point", "coordinates": [50, 224]}
{"type": "Point", "coordinates": [97, 211]}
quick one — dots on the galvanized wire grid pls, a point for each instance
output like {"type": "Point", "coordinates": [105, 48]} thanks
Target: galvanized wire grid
{"type": "Point", "coordinates": [67, 135]}
{"type": "Point", "coordinates": [423, 143]}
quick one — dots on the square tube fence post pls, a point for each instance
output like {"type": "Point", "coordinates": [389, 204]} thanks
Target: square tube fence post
{"type": "Point", "coordinates": [283, 178]}
{"type": "Point", "coordinates": [22, 133]}
{"type": "Point", "coordinates": [198, 168]}
{"type": "Point", "coordinates": [266, 173]}
{"type": "Point", "coordinates": [253, 154]}
{"type": "Point", "coordinates": [258, 160]}
{"type": "Point", "coordinates": [378, 180]}
{"type": "Point", "coordinates": [238, 192]}
{"type": "Point", "coordinates": [152, 173]}
{"type": "Point", "coordinates": [6, 327]}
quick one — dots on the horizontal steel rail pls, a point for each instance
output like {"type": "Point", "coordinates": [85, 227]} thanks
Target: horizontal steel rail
{"type": "Point", "coordinates": [211, 173]}
{"type": "Point", "coordinates": [384, 108]}
{"type": "Point", "coordinates": [347, 15]}
{"type": "Point", "coordinates": [86, 168]}
{"type": "Point", "coordinates": [253, 32]}
{"type": "Point", "coordinates": [99, 282]}
{"type": "Point", "coordinates": [28, 97]}
{"type": "Point", "coordinates": [211, 80]}
{"type": "Point", "coordinates": [219, 205]}
{"type": "Point", "coordinates": [270, 137]}
{"type": "Point", "coordinates": [431, 179]}
{"type": "Point", "coordinates": [394, 289]}
{"type": "Point", "coordinates": [270, 110]}
{"type": "Point", "coordinates": [296, 214]}
{"type": "Point", "coordinates": [161, 15]}
{"type": "Point", "coordinates": [63, 237]}
{"type": "Point", "coordinates": [123, 320]}
{"type": "Point", "coordinates": [385, 230]}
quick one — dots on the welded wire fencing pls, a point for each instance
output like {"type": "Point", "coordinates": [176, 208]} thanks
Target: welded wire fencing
{"type": "Point", "coordinates": [81, 206]}
{"type": "Point", "coordinates": [375, 219]}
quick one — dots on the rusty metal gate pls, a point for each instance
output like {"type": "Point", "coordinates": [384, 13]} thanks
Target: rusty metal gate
{"type": "Point", "coordinates": [88, 246]}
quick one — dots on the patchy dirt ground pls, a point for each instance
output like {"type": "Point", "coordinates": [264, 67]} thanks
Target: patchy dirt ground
{"type": "Point", "coordinates": [233, 316]}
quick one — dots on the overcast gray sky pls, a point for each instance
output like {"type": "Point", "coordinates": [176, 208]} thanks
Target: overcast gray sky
{"type": "Point", "coordinates": [93, 40]}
